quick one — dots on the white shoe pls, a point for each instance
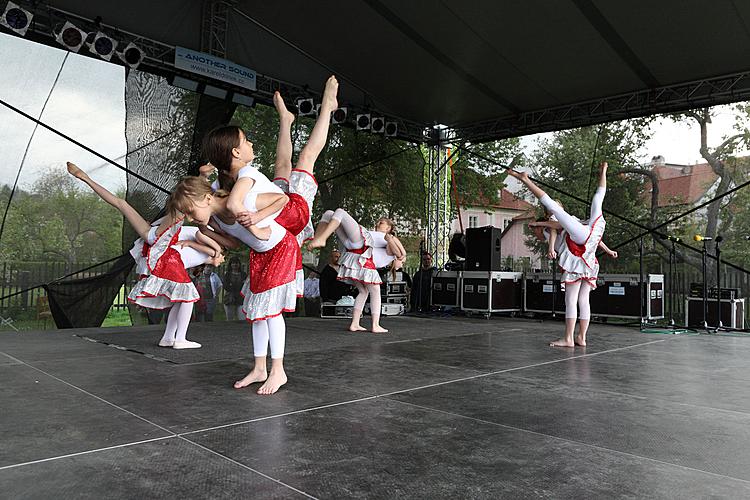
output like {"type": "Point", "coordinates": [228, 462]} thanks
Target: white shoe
{"type": "Point", "coordinates": [166, 343]}
{"type": "Point", "coordinates": [187, 344]}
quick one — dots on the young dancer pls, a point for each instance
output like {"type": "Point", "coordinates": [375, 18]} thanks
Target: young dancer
{"type": "Point", "coordinates": [275, 270]}
{"type": "Point", "coordinates": [162, 253]}
{"type": "Point", "coordinates": [577, 257]}
{"type": "Point", "coordinates": [229, 150]}
{"type": "Point", "coordinates": [357, 265]}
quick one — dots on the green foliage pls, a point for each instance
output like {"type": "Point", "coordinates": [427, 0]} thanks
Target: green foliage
{"type": "Point", "coordinates": [479, 181]}
{"type": "Point", "coordinates": [57, 221]}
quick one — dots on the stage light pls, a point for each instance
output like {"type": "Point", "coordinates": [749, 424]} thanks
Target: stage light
{"type": "Point", "coordinates": [132, 55]}
{"type": "Point", "coordinates": [71, 37]}
{"type": "Point", "coordinates": [185, 83]}
{"type": "Point", "coordinates": [391, 129]}
{"type": "Point", "coordinates": [244, 100]}
{"type": "Point", "coordinates": [215, 92]}
{"type": "Point", "coordinates": [16, 18]}
{"type": "Point", "coordinates": [363, 122]}
{"type": "Point", "coordinates": [339, 115]}
{"type": "Point", "coordinates": [378, 125]}
{"type": "Point", "coordinates": [102, 45]}
{"type": "Point", "coordinates": [305, 107]}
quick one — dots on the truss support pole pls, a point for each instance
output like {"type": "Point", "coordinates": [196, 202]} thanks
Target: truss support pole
{"type": "Point", "coordinates": [437, 181]}
{"type": "Point", "coordinates": [214, 26]}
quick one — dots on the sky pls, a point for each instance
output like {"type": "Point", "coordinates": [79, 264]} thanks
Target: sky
{"type": "Point", "coordinates": [87, 103]}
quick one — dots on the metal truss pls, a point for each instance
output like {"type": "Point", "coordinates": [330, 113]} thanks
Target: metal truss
{"type": "Point", "coordinates": [673, 98]}
{"type": "Point", "coordinates": [214, 26]}
{"type": "Point", "coordinates": [437, 192]}
{"type": "Point", "coordinates": [159, 57]}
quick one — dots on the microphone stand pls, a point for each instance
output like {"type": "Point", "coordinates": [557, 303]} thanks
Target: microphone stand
{"type": "Point", "coordinates": [719, 325]}
{"type": "Point", "coordinates": [705, 288]}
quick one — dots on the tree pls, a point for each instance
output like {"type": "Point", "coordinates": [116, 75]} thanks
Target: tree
{"type": "Point", "coordinates": [57, 221]}
{"type": "Point", "coordinates": [718, 220]}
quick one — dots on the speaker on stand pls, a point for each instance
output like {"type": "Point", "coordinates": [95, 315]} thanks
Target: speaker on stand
{"type": "Point", "coordinates": [483, 249]}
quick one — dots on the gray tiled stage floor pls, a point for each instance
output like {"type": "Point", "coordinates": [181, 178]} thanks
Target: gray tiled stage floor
{"type": "Point", "coordinates": [170, 468]}
{"type": "Point", "coordinates": [438, 408]}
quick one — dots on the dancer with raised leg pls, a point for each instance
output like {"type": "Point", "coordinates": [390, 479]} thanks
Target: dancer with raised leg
{"type": "Point", "coordinates": [357, 264]}
{"type": "Point", "coordinates": [577, 257]}
{"type": "Point", "coordinates": [162, 253]}
{"type": "Point", "coordinates": [275, 259]}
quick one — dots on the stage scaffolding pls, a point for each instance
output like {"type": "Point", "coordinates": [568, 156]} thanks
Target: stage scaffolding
{"type": "Point", "coordinates": [437, 195]}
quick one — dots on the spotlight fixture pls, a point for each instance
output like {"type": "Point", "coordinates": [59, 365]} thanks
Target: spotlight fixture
{"type": "Point", "coordinates": [305, 107]}
{"type": "Point", "coordinates": [363, 122]}
{"type": "Point", "coordinates": [71, 37]}
{"type": "Point", "coordinates": [243, 100]}
{"type": "Point", "coordinates": [102, 45]}
{"type": "Point", "coordinates": [132, 55]}
{"type": "Point", "coordinates": [391, 129]}
{"type": "Point", "coordinates": [16, 18]}
{"type": "Point", "coordinates": [378, 125]}
{"type": "Point", "coordinates": [184, 83]}
{"type": "Point", "coordinates": [215, 92]}
{"type": "Point", "coordinates": [338, 116]}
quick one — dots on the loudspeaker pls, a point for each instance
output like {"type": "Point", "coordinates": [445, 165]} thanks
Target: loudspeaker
{"type": "Point", "coordinates": [483, 249]}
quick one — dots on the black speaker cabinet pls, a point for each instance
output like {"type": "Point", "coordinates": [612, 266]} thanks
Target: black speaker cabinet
{"type": "Point", "coordinates": [483, 249]}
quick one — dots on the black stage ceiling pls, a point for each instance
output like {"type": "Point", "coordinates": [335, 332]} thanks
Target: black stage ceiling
{"type": "Point", "coordinates": [488, 69]}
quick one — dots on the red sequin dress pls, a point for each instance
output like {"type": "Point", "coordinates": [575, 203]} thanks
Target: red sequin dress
{"type": "Point", "coordinates": [167, 281]}
{"type": "Point", "coordinates": [357, 264]}
{"type": "Point", "coordinates": [578, 261]}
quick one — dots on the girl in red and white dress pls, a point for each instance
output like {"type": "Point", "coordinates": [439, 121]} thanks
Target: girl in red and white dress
{"type": "Point", "coordinates": [275, 276]}
{"type": "Point", "coordinates": [162, 253]}
{"type": "Point", "coordinates": [576, 253]}
{"type": "Point", "coordinates": [357, 264]}
{"type": "Point", "coordinates": [228, 149]}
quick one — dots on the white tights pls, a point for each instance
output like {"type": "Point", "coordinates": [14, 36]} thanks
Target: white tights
{"type": "Point", "coordinates": [271, 330]}
{"type": "Point", "coordinates": [578, 232]}
{"type": "Point", "coordinates": [577, 299]}
{"type": "Point", "coordinates": [349, 231]}
{"type": "Point", "coordinates": [374, 292]}
{"type": "Point", "coordinates": [178, 322]}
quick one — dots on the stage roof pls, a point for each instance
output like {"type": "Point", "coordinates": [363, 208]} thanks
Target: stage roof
{"type": "Point", "coordinates": [490, 69]}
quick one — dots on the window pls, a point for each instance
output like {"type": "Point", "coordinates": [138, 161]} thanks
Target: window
{"type": "Point", "coordinates": [473, 221]}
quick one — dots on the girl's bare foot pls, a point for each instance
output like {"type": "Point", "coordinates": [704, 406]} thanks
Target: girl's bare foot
{"type": "Point", "coordinates": [76, 172]}
{"type": "Point", "coordinates": [251, 378]}
{"type": "Point", "coordinates": [356, 328]}
{"type": "Point", "coordinates": [521, 176]}
{"type": "Point", "coordinates": [316, 243]}
{"type": "Point", "coordinates": [330, 102]}
{"type": "Point", "coordinates": [561, 343]}
{"type": "Point", "coordinates": [580, 341]}
{"type": "Point", "coordinates": [274, 382]}
{"type": "Point", "coordinates": [379, 329]}
{"type": "Point", "coordinates": [285, 115]}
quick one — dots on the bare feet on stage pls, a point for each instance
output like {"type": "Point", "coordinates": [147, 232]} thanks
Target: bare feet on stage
{"type": "Point", "coordinates": [379, 329]}
{"type": "Point", "coordinates": [357, 328]}
{"type": "Point", "coordinates": [76, 172]}
{"type": "Point", "coordinates": [580, 341]}
{"type": "Point", "coordinates": [562, 343]}
{"type": "Point", "coordinates": [285, 115]}
{"type": "Point", "coordinates": [330, 103]}
{"type": "Point", "coordinates": [275, 380]}
{"type": "Point", "coordinates": [251, 378]}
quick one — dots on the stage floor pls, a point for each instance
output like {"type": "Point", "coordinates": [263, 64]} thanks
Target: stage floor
{"type": "Point", "coordinates": [438, 408]}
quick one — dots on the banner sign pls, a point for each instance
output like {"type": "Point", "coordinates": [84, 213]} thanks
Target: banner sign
{"type": "Point", "coordinates": [214, 67]}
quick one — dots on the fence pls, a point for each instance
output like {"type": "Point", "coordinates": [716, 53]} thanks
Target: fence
{"type": "Point", "coordinates": [21, 276]}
